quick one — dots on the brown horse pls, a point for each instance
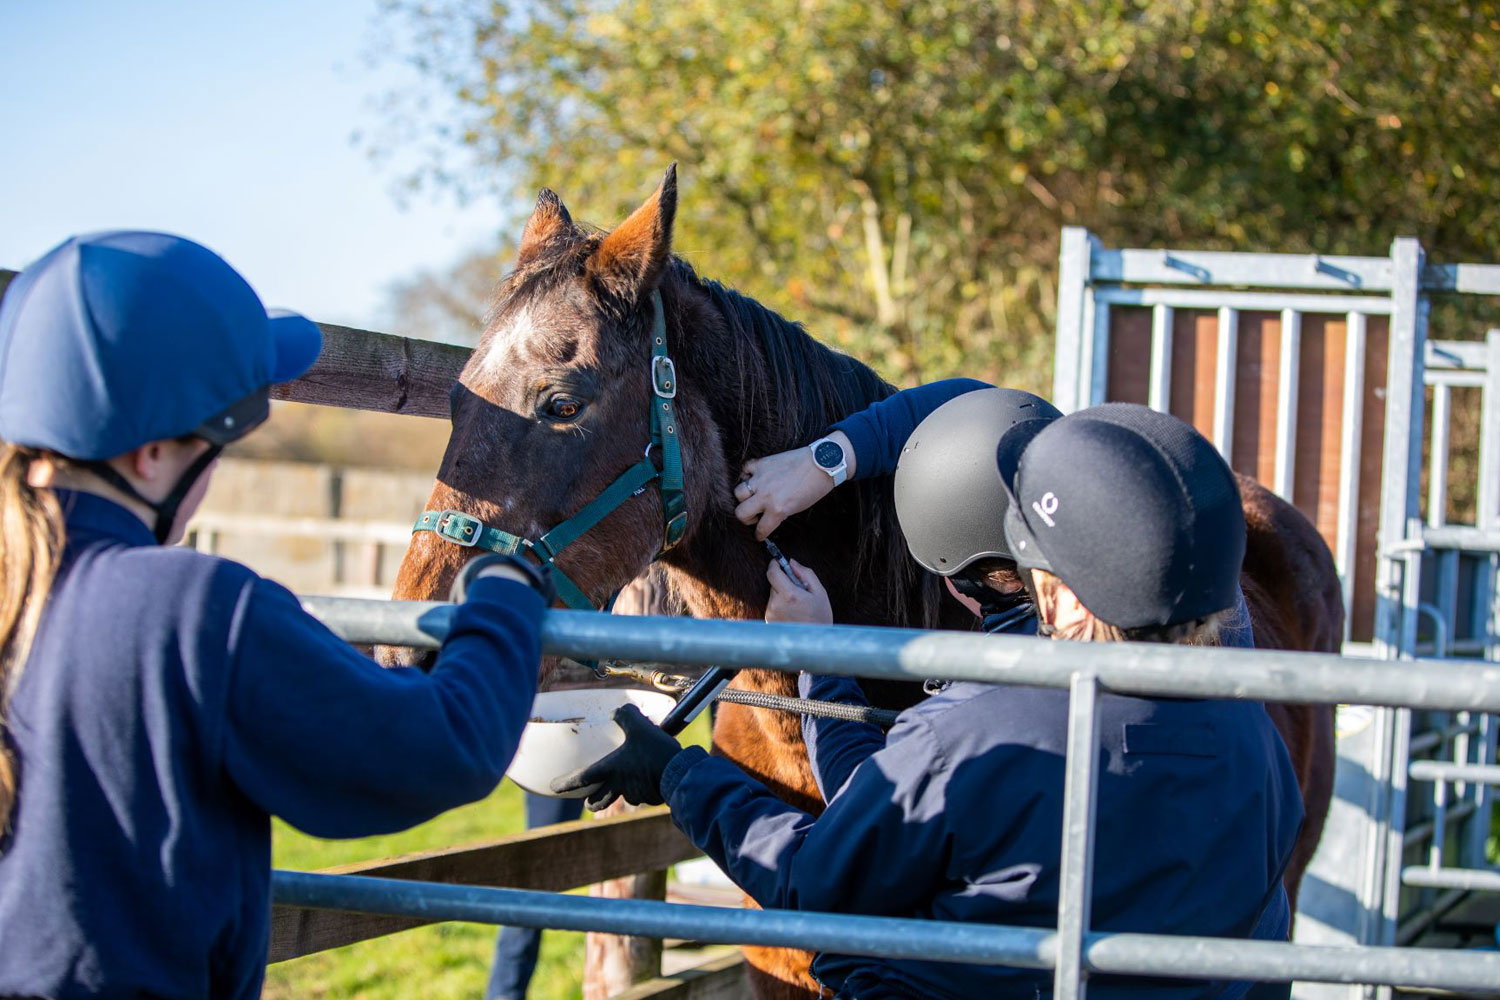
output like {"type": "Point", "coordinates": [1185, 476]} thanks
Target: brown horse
{"type": "Point", "coordinates": [554, 404]}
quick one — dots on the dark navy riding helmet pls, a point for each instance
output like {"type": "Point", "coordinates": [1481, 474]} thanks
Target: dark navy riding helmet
{"type": "Point", "coordinates": [117, 339]}
{"type": "Point", "coordinates": [1133, 509]}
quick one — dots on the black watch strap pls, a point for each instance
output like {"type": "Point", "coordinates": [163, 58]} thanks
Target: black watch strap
{"type": "Point", "coordinates": [538, 577]}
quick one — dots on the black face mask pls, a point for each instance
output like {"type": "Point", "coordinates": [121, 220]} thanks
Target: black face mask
{"type": "Point", "coordinates": [1000, 612]}
{"type": "Point", "coordinates": [166, 508]}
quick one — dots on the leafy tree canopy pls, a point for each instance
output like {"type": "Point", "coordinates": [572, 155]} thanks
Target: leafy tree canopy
{"type": "Point", "coordinates": [896, 174]}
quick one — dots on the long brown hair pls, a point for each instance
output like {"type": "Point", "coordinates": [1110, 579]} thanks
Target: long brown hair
{"type": "Point", "coordinates": [1198, 632]}
{"type": "Point", "coordinates": [32, 524]}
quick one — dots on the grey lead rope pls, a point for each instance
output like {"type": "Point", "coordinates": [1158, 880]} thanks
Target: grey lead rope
{"type": "Point", "coordinates": [675, 684]}
{"type": "Point", "coordinates": [883, 717]}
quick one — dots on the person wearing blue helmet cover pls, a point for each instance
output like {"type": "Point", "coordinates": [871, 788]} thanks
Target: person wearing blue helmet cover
{"type": "Point", "coordinates": [159, 705]}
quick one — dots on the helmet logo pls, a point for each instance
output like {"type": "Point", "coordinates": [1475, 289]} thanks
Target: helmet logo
{"type": "Point", "coordinates": [1046, 507]}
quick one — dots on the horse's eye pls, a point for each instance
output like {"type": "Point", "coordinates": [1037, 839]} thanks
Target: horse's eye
{"type": "Point", "coordinates": [562, 407]}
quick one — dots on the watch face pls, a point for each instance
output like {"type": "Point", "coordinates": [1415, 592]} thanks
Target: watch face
{"type": "Point", "coordinates": [829, 455]}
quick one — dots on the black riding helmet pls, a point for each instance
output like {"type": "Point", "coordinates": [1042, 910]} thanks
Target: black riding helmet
{"type": "Point", "coordinates": [949, 497]}
{"type": "Point", "coordinates": [1133, 509]}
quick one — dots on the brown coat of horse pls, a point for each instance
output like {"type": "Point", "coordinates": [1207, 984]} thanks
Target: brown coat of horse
{"type": "Point", "coordinates": [553, 405]}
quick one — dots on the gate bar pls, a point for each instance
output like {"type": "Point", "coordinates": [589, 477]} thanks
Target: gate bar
{"type": "Point", "coordinates": [916, 655]}
{"type": "Point", "coordinates": [1480, 879]}
{"type": "Point", "coordinates": [1438, 770]}
{"type": "Point", "coordinates": [893, 937]}
{"type": "Point", "coordinates": [1076, 879]}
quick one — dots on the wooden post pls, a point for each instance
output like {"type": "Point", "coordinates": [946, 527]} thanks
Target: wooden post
{"type": "Point", "coordinates": [613, 963]}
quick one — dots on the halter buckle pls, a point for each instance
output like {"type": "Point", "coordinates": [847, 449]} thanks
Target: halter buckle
{"type": "Point", "coordinates": [675, 529]}
{"type": "Point", "coordinates": [664, 377]}
{"type": "Point", "coordinates": [459, 528]}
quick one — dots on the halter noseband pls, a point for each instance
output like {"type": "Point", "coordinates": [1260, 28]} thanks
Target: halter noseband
{"type": "Point", "coordinates": [464, 529]}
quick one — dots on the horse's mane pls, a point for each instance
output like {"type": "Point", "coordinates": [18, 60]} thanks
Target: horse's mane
{"type": "Point", "coordinates": [771, 387]}
{"type": "Point", "coordinates": [774, 387]}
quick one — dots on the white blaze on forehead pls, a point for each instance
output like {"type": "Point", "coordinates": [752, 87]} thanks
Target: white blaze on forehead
{"type": "Point", "coordinates": [515, 330]}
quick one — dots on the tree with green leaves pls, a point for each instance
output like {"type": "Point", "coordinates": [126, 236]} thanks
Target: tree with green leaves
{"type": "Point", "coordinates": [895, 174]}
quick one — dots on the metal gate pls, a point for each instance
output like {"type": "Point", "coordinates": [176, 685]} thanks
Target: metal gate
{"type": "Point", "coordinates": [1072, 949]}
{"type": "Point", "coordinates": [1311, 373]}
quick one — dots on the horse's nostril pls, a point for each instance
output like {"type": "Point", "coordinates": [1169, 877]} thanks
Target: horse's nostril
{"type": "Point", "coordinates": [405, 656]}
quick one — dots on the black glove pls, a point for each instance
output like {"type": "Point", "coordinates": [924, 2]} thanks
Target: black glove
{"type": "Point", "coordinates": [632, 771]}
{"type": "Point", "coordinates": [540, 577]}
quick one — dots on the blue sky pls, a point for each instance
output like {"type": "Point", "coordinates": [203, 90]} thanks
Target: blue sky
{"type": "Point", "coordinates": [229, 122]}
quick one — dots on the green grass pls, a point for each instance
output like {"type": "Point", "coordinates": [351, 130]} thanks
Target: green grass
{"type": "Point", "coordinates": [442, 962]}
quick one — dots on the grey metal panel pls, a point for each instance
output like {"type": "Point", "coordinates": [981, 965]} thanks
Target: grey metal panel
{"type": "Point", "coordinates": [1095, 383]}
{"type": "Point", "coordinates": [1456, 536]}
{"type": "Point", "coordinates": [1351, 434]}
{"type": "Point", "coordinates": [914, 654]}
{"type": "Point", "coordinates": [1438, 770]}
{"type": "Point", "coordinates": [1288, 377]}
{"type": "Point", "coordinates": [1251, 270]}
{"type": "Point", "coordinates": [1489, 437]}
{"type": "Point", "coordinates": [1026, 947]}
{"type": "Point", "coordinates": [1076, 877]}
{"type": "Point", "coordinates": [1420, 833]}
{"type": "Point", "coordinates": [1437, 464]}
{"type": "Point", "coordinates": [1226, 361]}
{"type": "Point", "coordinates": [1401, 473]}
{"type": "Point", "coordinates": [1282, 270]}
{"type": "Point", "coordinates": [1072, 287]}
{"type": "Point", "coordinates": [1453, 878]}
{"type": "Point", "coordinates": [1198, 298]}
{"type": "Point", "coordinates": [1456, 378]}
{"type": "Point", "coordinates": [1159, 395]}
{"type": "Point", "coordinates": [1385, 866]}
{"type": "Point", "coordinates": [1473, 279]}
{"type": "Point", "coordinates": [1456, 354]}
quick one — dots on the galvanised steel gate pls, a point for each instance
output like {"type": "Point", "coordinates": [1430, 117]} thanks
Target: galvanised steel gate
{"type": "Point", "coordinates": [1310, 373]}
{"type": "Point", "coordinates": [1087, 669]}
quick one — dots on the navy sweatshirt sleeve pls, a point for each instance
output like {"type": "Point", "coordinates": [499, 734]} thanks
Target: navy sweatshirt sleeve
{"type": "Point", "coordinates": [879, 848]}
{"type": "Point", "coordinates": [339, 747]}
{"type": "Point", "coordinates": [835, 747]}
{"type": "Point", "coordinates": [879, 431]}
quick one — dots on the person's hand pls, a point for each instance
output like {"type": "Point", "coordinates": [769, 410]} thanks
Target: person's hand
{"type": "Point", "coordinates": [632, 771]}
{"type": "Point", "coordinates": [504, 567]}
{"type": "Point", "coordinates": [773, 488]}
{"type": "Point", "coordinates": [791, 603]}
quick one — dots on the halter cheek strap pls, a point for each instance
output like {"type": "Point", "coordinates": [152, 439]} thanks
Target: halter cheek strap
{"type": "Point", "coordinates": [464, 529]}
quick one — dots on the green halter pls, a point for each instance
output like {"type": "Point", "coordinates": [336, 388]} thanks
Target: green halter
{"type": "Point", "coordinates": [464, 529]}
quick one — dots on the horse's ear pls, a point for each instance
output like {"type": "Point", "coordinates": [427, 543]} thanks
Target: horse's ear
{"type": "Point", "coordinates": [548, 219]}
{"type": "Point", "coordinates": [630, 260]}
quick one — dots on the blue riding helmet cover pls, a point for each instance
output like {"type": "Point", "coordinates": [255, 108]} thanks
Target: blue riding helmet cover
{"type": "Point", "coordinates": [116, 339]}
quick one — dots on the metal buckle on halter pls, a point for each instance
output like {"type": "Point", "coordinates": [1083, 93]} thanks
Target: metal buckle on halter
{"type": "Point", "coordinates": [675, 529]}
{"type": "Point", "coordinates": [664, 377]}
{"type": "Point", "coordinates": [459, 528]}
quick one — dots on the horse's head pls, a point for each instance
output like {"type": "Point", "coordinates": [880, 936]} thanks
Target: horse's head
{"type": "Point", "coordinates": [557, 402]}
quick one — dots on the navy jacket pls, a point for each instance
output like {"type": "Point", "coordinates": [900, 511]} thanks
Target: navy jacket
{"type": "Point", "coordinates": [171, 704]}
{"type": "Point", "coordinates": [958, 816]}
{"type": "Point", "coordinates": [879, 431]}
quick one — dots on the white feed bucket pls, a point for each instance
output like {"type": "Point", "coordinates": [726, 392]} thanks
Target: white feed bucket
{"type": "Point", "coordinates": [571, 729]}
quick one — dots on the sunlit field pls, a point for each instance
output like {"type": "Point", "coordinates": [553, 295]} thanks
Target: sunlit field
{"type": "Point", "coordinates": [441, 962]}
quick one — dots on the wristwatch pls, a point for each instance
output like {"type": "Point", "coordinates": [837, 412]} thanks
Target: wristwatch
{"type": "Point", "coordinates": [828, 455]}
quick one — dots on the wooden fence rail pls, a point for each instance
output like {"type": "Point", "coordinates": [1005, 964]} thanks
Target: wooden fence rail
{"type": "Point", "coordinates": [554, 859]}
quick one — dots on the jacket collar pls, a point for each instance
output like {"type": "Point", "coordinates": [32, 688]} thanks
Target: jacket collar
{"type": "Point", "coordinates": [90, 514]}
